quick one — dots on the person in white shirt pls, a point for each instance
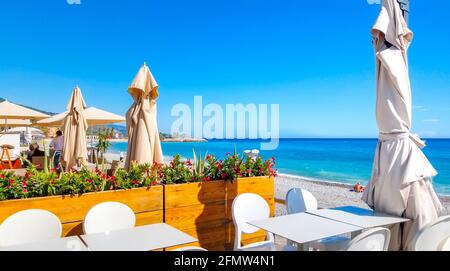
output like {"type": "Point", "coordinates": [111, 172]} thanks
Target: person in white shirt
{"type": "Point", "coordinates": [57, 145]}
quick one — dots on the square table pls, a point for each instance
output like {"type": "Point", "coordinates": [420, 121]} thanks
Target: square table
{"type": "Point", "coordinates": [144, 238]}
{"type": "Point", "coordinates": [359, 217]}
{"type": "Point", "coordinates": [60, 244]}
{"type": "Point", "coordinates": [304, 228]}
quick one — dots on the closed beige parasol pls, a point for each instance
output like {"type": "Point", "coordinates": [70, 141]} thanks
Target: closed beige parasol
{"type": "Point", "coordinates": [144, 145]}
{"type": "Point", "coordinates": [401, 181]}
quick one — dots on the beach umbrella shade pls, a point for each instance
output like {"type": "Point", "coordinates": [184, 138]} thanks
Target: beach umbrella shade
{"type": "Point", "coordinates": [74, 131]}
{"type": "Point", "coordinates": [16, 122]}
{"type": "Point", "coordinates": [401, 182]}
{"type": "Point", "coordinates": [144, 145]}
{"type": "Point", "coordinates": [94, 116]}
{"type": "Point", "coordinates": [14, 113]}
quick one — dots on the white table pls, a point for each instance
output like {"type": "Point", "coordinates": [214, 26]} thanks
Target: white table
{"type": "Point", "coordinates": [61, 244]}
{"type": "Point", "coordinates": [363, 218]}
{"type": "Point", "coordinates": [304, 228]}
{"type": "Point", "coordinates": [144, 238]}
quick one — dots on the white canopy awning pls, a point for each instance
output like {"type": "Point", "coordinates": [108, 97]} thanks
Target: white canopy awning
{"type": "Point", "coordinates": [93, 115]}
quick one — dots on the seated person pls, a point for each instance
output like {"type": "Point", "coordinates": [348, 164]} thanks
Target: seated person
{"type": "Point", "coordinates": [34, 152]}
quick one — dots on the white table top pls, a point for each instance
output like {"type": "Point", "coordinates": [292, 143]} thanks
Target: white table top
{"type": "Point", "coordinates": [304, 228]}
{"type": "Point", "coordinates": [61, 244]}
{"type": "Point", "coordinates": [144, 238]}
{"type": "Point", "coordinates": [358, 217]}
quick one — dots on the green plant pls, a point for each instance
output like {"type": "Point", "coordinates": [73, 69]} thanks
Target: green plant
{"type": "Point", "coordinates": [177, 172]}
{"type": "Point", "coordinates": [199, 167]}
{"type": "Point", "coordinates": [103, 145]}
{"type": "Point", "coordinates": [37, 183]}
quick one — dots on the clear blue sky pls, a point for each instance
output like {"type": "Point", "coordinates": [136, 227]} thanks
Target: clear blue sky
{"type": "Point", "coordinates": [314, 58]}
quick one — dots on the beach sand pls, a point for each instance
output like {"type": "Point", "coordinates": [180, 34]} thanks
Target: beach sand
{"type": "Point", "coordinates": [328, 194]}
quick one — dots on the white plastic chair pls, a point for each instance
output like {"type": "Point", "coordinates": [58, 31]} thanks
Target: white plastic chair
{"type": "Point", "coordinates": [434, 236]}
{"type": "Point", "coordinates": [109, 216]}
{"type": "Point", "coordinates": [189, 249]}
{"type": "Point", "coordinates": [371, 240]}
{"type": "Point", "coordinates": [300, 201]}
{"type": "Point", "coordinates": [29, 226]}
{"type": "Point", "coordinates": [445, 246]}
{"type": "Point", "coordinates": [250, 207]}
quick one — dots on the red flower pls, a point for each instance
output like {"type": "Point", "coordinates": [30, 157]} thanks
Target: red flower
{"type": "Point", "coordinates": [154, 183]}
{"type": "Point", "coordinates": [90, 181]}
{"type": "Point", "coordinates": [25, 191]}
{"type": "Point", "coordinates": [249, 171]}
{"type": "Point", "coordinates": [112, 178]}
{"type": "Point", "coordinates": [223, 175]}
{"type": "Point", "coordinates": [27, 175]}
{"type": "Point", "coordinates": [207, 179]}
{"type": "Point", "coordinates": [135, 182]}
{"type": "Point", "coordinates": [24, 184]}
{"type": "Point", "coordinates": [2, 176]}
{"type": "Point", "coordinates": [11, 181]}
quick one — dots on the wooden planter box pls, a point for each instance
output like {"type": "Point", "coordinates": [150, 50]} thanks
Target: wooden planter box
{"type": "Point", "coordinates": [198, 209]}
{"type": "Point", "coordinates": [146, 203]}
{"type": "Point", "coordinates": [263, 186]}
{"type": "Point", "coordinates": [202, 210]}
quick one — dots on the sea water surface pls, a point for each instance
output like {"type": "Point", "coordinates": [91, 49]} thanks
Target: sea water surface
{"type": "Point", "coordinates": [338, 160]}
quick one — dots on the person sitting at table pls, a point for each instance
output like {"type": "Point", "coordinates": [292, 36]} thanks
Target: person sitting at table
{"type": "Point", "coordinates": [33, 151]}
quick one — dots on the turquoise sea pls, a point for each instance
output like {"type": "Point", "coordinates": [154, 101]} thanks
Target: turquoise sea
{"type": "Point", "coordinates": [338, 160]}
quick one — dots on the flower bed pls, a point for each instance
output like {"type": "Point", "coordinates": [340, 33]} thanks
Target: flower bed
{"type": "Point", "coordinates": [44, 184]}
{"type": "Point", "coordinates": [193, 196]}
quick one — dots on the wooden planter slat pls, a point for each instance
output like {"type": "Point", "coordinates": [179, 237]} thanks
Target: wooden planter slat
{"type": "Point", "coordinates": [193, 194]}
{"type": "Point", "coordinates": [146, 203]}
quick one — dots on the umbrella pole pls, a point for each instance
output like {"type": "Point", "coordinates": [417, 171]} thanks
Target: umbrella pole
{"type": "Point", "coordinates": [404, 5]}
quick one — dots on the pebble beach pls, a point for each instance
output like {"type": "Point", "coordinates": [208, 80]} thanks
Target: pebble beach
{"type": "Point", "coordinates": [328, 194]}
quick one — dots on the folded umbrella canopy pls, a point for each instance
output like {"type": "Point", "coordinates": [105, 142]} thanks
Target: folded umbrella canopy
{"type": "Point", "coordinates": [94, 116]}
{"type": "Point", "coordinates": [401, 181]}
{"type": "Point", "coordinates": [74, 131]}
{"type": "Point", "coordinates": [144, 145]}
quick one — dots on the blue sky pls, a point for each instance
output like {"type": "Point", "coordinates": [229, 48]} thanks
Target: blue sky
{"type": "Point", "coordinates": [314, 58]}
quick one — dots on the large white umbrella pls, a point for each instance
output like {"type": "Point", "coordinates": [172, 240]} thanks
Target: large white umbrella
{"type": "Point", "coordinates": [94, 116]}
{"type": "Point", "coordinates": [16, 122]}
{"type": "Point", "coordinates": [14, 113]}
{"type": "Point", "coordinates": [401, 181]}
{"type": "Point", "coordinates": [144, 145]}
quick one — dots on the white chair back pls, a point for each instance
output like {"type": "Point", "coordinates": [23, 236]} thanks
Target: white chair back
{"type": "Point", "coordinates": [434, 236]}
{"type": "Point", "coordinates": [248, 207]}
{"type": "Point", "coordinates": [189, 249]}
{"type": "Point", "coordinates": [29, 226]}
{"type": "Point", "coordinates": [299, 201]}
{"type": "Point", "coordinates": [372, 240]}
{"type": "Point", "coordinates": [445, 245]}
{"type": "Point", "coordinates": [109, 216]}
